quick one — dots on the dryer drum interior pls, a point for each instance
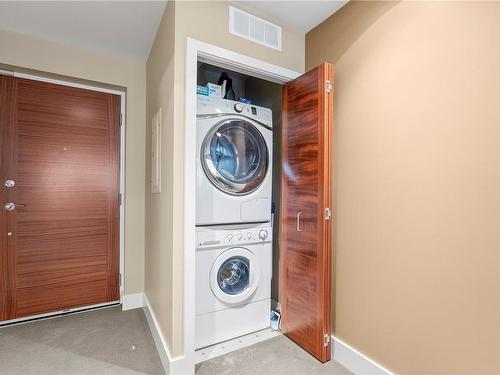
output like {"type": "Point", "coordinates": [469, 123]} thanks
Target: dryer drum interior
{"type": "Point", "coordinates": [235, 156]}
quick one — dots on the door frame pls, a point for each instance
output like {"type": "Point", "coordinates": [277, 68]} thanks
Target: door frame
{"type": "Point", "coordinates": [122, 95]}
{"type": "Point", "coordinates": [200, 51]}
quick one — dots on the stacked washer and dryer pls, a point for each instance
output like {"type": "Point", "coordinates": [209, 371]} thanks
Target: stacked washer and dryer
{"type": "Point", "coordinates": [233, 219]}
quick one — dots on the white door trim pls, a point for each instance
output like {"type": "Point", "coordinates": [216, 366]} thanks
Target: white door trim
{"type": "Point", "coordinates": [200, 51]}
{"type": "Point", "coordinates": [67, 83]}
{"type": "Point", "coordinates": [122, 95]}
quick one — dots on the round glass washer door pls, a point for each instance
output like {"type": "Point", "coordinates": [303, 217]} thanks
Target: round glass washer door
{"type": "Point", "coordinates": [235, 275]}
{"type": "Point", "coordinates": [234, 156]}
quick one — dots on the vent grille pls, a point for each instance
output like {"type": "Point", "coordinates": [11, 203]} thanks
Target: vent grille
{"type": "Point", "coordinates": [256, 29]}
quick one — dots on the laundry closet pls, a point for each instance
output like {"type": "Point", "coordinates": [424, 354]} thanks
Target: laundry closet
{"type": "Point", "coordinates": [238, 198]}
{"type": "Point", "coordinates": [252, 164]}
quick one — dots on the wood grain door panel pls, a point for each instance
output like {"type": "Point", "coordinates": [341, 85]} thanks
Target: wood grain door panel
{"type": "Point", "coordinates": [65, 161]}
{"type": "Point", "coordinates": [306, 192]}
{"type": "Point", "coordinates": [8, 93]}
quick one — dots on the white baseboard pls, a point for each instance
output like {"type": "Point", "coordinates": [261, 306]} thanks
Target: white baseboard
{"type": "Point", "coordinates": [172, 366]}
{"type": "Point", "coordinates": [161, 344]}
{"type": "Point", "coordinates": [133, 301]}
{"type": "Point", "coordinates": [344, 354]}
{"type": "Point", "coordinates": [355, 361]}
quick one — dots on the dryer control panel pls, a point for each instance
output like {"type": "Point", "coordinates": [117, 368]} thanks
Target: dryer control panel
{"type": "Point", "coordinates": [207, 105]}
{"type": "Point", "coordinates": [207, 237]}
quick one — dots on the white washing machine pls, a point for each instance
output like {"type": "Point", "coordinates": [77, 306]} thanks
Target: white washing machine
{"type": "Point", "coordinates": [234, 163]}
{"type": "Point", "coordinates": [233, 282]}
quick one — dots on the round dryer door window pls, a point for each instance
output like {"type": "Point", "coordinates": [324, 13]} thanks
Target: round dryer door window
{"type": "Point", "coordinates": [234, 276]}
{"type": "Point", "coordinates": [235, 157]}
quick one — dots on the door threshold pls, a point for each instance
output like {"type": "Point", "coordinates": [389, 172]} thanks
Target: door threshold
{"type": "Point", "coordinates": [56, 314]}
{"type": "Point", "coordinates": [216, 350]}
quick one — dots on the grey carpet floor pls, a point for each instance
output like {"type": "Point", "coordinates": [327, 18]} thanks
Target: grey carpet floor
{"type": "Point", "coordinates": [110, 341]}
{"type": "Point", "coordinates": [106, 341]}
{"type": "Point", "coordinates": [276, 356]}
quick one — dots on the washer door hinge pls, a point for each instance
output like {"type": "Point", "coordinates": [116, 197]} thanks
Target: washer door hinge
{"type": "Point", "coordinates": [326, 341]}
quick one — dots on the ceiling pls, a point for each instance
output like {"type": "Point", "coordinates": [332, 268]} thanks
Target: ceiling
{"type": "Point", "coordinates": [122, 28]}
{"type": "Point", "coordinates": [128, 28]}
{"type": "Point", "coordinates": [301, 15]}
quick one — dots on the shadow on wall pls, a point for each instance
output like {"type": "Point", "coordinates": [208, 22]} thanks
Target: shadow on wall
{"type": "Point", "coordinates": [348, 24]}
{"type": "Point", "coordinates": [351, 21]}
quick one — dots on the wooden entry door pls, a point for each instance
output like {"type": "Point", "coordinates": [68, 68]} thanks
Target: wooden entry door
{"type": "Point", "coordinates": [59, 192]}
{"type": "Point", "coordinates": [305, 252]}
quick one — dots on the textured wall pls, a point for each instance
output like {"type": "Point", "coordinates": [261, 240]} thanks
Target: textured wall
{"type": "Point", "coordinates": [159, 211]}
{"type": "Point", "coordinates": [417, 182]}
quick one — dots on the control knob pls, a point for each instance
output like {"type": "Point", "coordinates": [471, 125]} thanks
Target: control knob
{"type": "Point", "coordinates": [263, 234]}
{"type": "Point", "coordinates": [238, 107]}
{"type": "Point", "coordinates": [229, 237]}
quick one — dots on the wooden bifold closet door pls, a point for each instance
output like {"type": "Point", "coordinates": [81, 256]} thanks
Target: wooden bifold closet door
{"type": "Point", "coordinates": [305, 251]}
{"type": "Point", "coordinates": [59, 222]}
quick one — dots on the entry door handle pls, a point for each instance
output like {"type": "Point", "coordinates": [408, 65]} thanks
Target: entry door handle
{"type": "Point", "coordinates": [299, 229]}
{"type": "Point", "coordinates": [11, 206]}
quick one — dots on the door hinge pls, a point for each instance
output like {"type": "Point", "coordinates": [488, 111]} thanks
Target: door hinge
{"type": "Point", "coordinates": [328, 213]}
{"type": "Point", "coordinates": [120, 279]}
{"type": "Point", "coordinates": [121, 119]}
{"type": "Point", "coordinates": [120, 200]}
{"type": "Point", "coordinates": [4, 72]}
{"type": "Point", "coordinates": [326, 340]}
{"type": "Point", "coordinates": [329, 86]}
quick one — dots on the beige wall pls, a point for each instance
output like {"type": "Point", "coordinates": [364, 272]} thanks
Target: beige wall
{"type": "Point", "coordinates": [417, 182]}
{"type": "Point", "coordinates": [26, 52]}
{"type": "Point", "coordinates": [208, 22]}
{"type": "Point", "coordinates": [159, 207]}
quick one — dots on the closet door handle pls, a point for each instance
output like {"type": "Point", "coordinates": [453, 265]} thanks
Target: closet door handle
{"type": "Point", "coordinates": [299, 229]}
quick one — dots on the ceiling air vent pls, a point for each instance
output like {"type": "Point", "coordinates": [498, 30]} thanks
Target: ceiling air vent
{"type": "Point", "coordinates": [253, 28]}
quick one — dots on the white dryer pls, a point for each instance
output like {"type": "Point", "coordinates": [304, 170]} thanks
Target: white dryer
{"type": "Point", "coordinates": [233, 282]}
{"type": "Point", "coordinates": [234, 162]}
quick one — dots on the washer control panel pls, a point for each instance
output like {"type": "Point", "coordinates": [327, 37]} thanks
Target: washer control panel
{"type": "Point", "coordinates": [248, 236]}
{"type": "Point", "coordinates": [219, 237]}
